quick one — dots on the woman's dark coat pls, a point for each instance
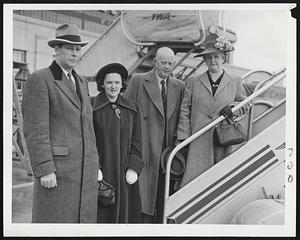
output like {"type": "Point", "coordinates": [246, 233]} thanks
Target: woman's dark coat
{"type": "Point", "coordinates": [119, 146]}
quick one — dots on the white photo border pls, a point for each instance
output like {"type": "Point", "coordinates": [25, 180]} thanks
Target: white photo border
{"type": "Point", "coordinates": [14, 229]}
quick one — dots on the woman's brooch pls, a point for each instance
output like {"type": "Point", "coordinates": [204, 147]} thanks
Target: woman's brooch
{"type": "Point", "coordinates": [117, 110]}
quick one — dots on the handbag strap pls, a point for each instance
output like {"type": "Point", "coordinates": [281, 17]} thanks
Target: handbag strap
{"type": "Point", "coordinates": [106, 184]}
{"type": "Point", "coordinates": [230, 120]}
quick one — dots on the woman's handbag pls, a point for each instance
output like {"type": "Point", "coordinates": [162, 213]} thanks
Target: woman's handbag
{"type": "Point", "coordinates": [106, 194]}
{"type": "Point", "coordinates": [230, 134]}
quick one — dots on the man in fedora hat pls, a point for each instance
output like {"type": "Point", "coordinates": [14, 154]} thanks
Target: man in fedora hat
{"type": "Point", "coordinates": [59, 133]}
{"type": "Point", "coordinates": [159, 96]}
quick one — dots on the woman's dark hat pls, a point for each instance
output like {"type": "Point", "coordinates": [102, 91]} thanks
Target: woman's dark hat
{"type": "Point", "coordinates": [178, 163]}
{"type": "Point", "coordinates": [111, 68]}
{"type": "Point", "coordinates": [67, 34]}
{"type": "Point", "coordinates": [221, 44]}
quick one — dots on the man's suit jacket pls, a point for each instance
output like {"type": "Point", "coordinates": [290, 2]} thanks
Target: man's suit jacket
{"type": "Point", "coordinates": [59, 133]}
{"type": "Point", "coordinates": [144, 89]}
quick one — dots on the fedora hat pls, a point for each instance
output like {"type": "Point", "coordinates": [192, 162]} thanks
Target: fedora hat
{"type": "Point", "coordinates": [66, 34]}
{"type": "Point", "coordinates": [178, 163]}
{"type": "Point", "coordinates": [221, 44]}
{"type": "Point", "coordinates": [110, 68]}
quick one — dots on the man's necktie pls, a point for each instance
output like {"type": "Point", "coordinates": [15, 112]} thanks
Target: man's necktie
{"type": "Point", "coordinates": [74, 85]}
{"type": "Point", "coordinates": [71, 81]}
{"type": "Point", "coordinates": [164, 95]}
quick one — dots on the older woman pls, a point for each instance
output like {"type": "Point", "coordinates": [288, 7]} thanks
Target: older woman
{"type": "Point", "coordinates": [117, 126]}
{"type": "Point", "coordinates": [206, 97]}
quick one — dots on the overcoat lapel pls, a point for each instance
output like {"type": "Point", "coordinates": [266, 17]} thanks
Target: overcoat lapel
{"type": "Point", "coordinates": [71, 94]}
{"type": "Point", "coordinates": [64, 84]}
{"type": "Point", "coordinates": [225, 80]}
{"type": "Point", "coordinates": [172, 95]}
{"type": "Point", "coordinates": [153, 91]}
{"type": "Point", "coordinates": [204, 79]}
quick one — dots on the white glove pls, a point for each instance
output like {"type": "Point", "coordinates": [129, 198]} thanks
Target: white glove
{"type": "Point", "coordinates": [49, 180]}
{"type": "Point", "coordinates": [131, 176]}
{"type": "Point", "coordinates": [100, 176]}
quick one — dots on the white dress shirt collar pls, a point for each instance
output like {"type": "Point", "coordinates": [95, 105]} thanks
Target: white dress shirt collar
{"type": "Point", "coordinates": [66, 73]}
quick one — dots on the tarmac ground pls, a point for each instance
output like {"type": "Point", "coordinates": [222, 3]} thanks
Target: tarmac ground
{"type": "Point", "coordinates": [21, 194]}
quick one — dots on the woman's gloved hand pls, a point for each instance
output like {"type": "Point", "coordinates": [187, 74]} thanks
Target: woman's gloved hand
{"type": "Point", "coordinates": [226, 111]}
{"type": "Point", "coordinates": [100, 176]}
{"type": "Point", "coordinates": [131, 176]}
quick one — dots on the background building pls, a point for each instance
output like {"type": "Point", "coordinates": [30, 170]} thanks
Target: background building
{"type": "Point", "coordinates": [32, 29]}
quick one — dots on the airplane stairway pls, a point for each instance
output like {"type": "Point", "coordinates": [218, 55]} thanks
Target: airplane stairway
{"type": "Point", "coordinates": [218, 194]}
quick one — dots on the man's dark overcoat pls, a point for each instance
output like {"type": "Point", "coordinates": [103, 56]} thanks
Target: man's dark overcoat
{"type": "Point", "coordinates": [119, 144]}
{"type": "Point", "coordinates": [59, 133]}
{"type": "Point", "coordinates": [144, 89]}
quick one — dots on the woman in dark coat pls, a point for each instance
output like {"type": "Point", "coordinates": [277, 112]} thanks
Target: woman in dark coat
{"type": "Point", "coordinates": [117, 127]}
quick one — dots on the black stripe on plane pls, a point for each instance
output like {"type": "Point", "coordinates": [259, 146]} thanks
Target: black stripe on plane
{"type": "Point", "coordinates": [234, 190]}
{"type": "Point", "coordinates": [282, 146]}
{"type": "Point", "coordinates": [219, 180]}
{"type": "Point", "coordinates": [225, 186]}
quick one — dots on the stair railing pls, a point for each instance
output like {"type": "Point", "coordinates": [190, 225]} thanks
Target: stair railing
{"type": "Point", "coordinates": [261, 83]}
{"type": "Point", "coordinates": [273, 80]}
{"type": "Point", "coordinates": [129, 37]}
{"type": "Point", "coordinates": [196, 45]}
{"type": "Point", "coordinates": [256, 71]}
{"type": "Point", "coordinates": [258, 86]}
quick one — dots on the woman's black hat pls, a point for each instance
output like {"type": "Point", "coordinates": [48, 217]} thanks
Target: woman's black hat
{"type": "Point", "coordinates": [110, 68]}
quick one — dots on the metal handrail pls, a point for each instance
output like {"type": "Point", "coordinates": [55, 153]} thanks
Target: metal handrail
{"type": "Point", "coordinates": [128, 37]}
{"type": "Point", "coordinates": [255, 71]}
{"type": "Point", "coordinates": [197, 44]}
{"type": "Point", "coordinates": [223, 24]}
{"type": "Point", "coordinates": [270, 109]}
{"type": "Point", "coordinates": [251, 112]}
{"type": "Point", "coordinates": [194, 70]}
{"type": "Point", "coordinates": [184, 57]}
{"type": "Point", "coordinates": [268, 79]}
{"type": "Point", "coordinates": [209, 126]}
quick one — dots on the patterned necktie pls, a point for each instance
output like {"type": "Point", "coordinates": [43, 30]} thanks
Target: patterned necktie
{"type": "Point", "coordinates": [71, 81]}
{"type": "Point", "coordinates": [164, 95]}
